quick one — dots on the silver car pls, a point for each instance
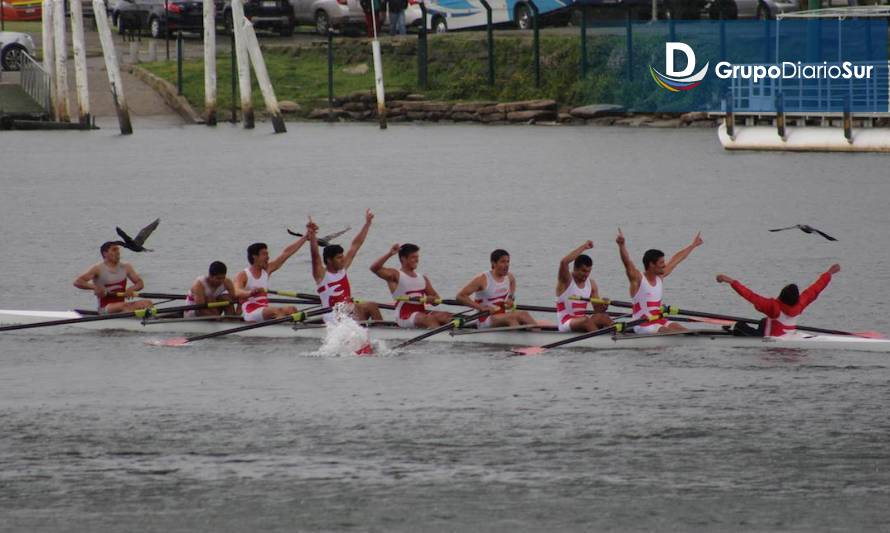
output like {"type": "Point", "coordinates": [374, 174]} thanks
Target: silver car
{"type": "Point", "coordinates": [761, 9]}
{"type": "Point", "coordinates": [328, 13]}
{"type": "Point", "coordinates": [12, 44]}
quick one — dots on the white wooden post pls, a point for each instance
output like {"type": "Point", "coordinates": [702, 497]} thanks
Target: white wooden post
{"type": "Point", "coordinates": [262, 78]}
{"type": "Point", "coordinates": [378, 73]}
{"type": "Point", "coordinates": [210, 62]}
{"type": "Point", "coordinates": [49, 47]}
{"type": "Point", "coordinates": [61, 50]}
{"type": "Point", "coordinates": [244, 86]}
{"type": "Point", "coordinates": [80, 64]}
{"type": "Point", "coordinates": [113, 68]}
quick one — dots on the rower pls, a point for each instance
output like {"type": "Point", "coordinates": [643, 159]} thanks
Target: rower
{"type": "Point", "coordinates": [573, 293]}
{"type": "Point", "coordinates": [646, 289]}
{"type": "Point", "coordinates": [329, 271]}
{"type": "Point", "coordinates": [494, 292]}
{"type": "Point", "coordinates": [215, 286]}
{"type": "Point", "coordinates": [108, 281]}
{"type": "Point", "coordinates": [406, 282]}
{"type": "Point", "coordinates": [782, 312]}
{"type": "Point", "coordinates": [254, 280]}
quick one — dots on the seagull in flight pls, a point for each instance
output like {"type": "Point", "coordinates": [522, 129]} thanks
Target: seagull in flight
{"type": "Point", "coordinates": [135, 244]}
{"type": "Point", "coordinates": [807, 229]}
{"type": "Point", "coordinates": [326, 240]}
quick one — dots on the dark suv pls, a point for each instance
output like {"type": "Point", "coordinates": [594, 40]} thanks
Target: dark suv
{"type": "Point", "coordinates": [275, 15]}
{"type": "Point", "coordinates": [157, 16]}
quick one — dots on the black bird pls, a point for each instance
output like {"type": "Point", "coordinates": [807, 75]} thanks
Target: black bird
{"type": "Point", "coordinates": [136, 244]}
{"type": "Point", "coordinates": [807, 229]}
{"type": "Point", "coordinates": [323, 241]}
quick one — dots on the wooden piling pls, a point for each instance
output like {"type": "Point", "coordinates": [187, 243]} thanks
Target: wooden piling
{"type": "Point", "coordinates": [262, 77]}
{"type": "Point", "coordinates": [244, 85]}
{"type": "Point", "coordinates": [80, 65]}
{"type": "Point", "coordinates": [113, 68]}
{"type": "Point", "coordinates": [49, 47]}
{"type": "Point", "coordinates": [61, 53]}
{"type": "Point", "coordinates": [210, 62]}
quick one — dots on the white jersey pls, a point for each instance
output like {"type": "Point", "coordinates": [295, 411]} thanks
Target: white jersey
{"type": "Point", "coordinates": [409, 286]}
{"type": "Point", "coordinates": [494, 294]}
{"type": "Point", "coordinates": [210, 294]}
{"type": "Point", "coordinates": [647, 301]}
{"type": "Point", "coordinates": [260, 301]}
{"type": "Point", "coordinates": [568, 308]}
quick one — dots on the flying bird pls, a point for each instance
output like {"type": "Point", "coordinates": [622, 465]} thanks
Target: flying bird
{"type": "Point", "coordinates": [135, 244]}
{"type": "Point", "coordinates": [807, 229]}
{"type": "Point", "coordinates": [326, 240]}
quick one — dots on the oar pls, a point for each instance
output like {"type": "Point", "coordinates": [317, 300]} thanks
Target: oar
{"type": "Point", "coordinates": [716, 316]}
{"type": "Point", "coordinates": [617, 327]}
{"type": "Point", "coordinates": [139, 313]}
{"type": "Point", "coordinates": [456, 323]}
{"type": "Point", "coordinates": [164, 296]}
{"type": "Point", "coordinates": [299, 316]}
{"type": "Point", "coordinates": [315, 298]}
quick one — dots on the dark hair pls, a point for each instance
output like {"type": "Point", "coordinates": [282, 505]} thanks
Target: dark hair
{"type": "Point", "coordinates": [498, 254]}
{"type": "Point", "coordinates": [583, 260]}
{"type": "Point", "coordinates": [331, 251]}
{"type": "Point", "coordinates": [407, 249]}
{"type": "Point", "coordinates": [106, 245]}
{"type": "Point", "coordinates": [790, 294]}
{"type": "Point", "coordinates": [254, 250]}
{"type": "Point", "coordinates": [651, 257]}
{"type": "Point", "coordinates": [217, 268]}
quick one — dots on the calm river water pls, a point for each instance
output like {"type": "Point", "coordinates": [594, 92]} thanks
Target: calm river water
{"type": "Point", "coordinates": [99, 432]}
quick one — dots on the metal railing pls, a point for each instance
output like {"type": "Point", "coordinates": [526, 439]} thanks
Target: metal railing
{"type": "Point", "coordinates": [813, 95]}
{"type": "Point", "coordinates": [36, 82]}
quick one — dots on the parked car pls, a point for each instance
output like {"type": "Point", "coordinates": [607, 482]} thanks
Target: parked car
{"type": "Point", "coordinates": [158, 17]}
{"type": "Point", "coordinates": [12, 45]}
{"type": "Point", "coordinates": [275, 15]}
{"type": "Point", "coordinates": [761, 9]}
{"type": "Point", "coordinates": [323, 14]}
{"type": "Point", "coordinates": [21, 10]}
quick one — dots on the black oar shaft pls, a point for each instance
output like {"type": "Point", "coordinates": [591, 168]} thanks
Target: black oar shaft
{"type": "Point", "coordinates": [450, 325]}
{"type": "Point", "coordinates": [602, 331]}
{"type": "Point", "coordinates": [141, 313]}
{"type": "Point", "coordinates": [296, 317]}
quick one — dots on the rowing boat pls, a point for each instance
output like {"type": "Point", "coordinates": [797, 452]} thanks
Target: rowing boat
{"type": "Point", "coordinates": [507, 337]}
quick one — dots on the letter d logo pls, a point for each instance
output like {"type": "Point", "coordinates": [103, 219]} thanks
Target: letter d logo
{"type": "Point", "coordinates": [675, 80]}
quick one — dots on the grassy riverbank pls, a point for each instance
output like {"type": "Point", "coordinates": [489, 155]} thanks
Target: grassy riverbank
{"type": "Point", "coordinates": [458, 70]}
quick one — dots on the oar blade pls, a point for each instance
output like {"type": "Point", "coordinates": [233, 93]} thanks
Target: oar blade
{"type": "Point", "coordinates": [176, 341]}
{"type": "Point", "coordinates": [366, 349]}
{"type": "Point", "coordinates": [529, 350]}
{"type": "Point", "coordinates": [870, 334]}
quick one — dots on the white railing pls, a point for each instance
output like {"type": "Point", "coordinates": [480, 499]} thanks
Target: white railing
{"type": "Point", "coordinates": [36, 82]}
{"type": "Point", "coordinates": [815, 95]}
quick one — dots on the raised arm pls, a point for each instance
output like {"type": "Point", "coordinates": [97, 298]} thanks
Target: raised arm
{"type": "Point", "coordinates": [359, 239]}
{"type": "Point", "coordinates": [564, 277]}
{"type": "Point", "coordinates": [288, 251]}
{"type": "Point", "coordinates": [390, 275]}
{"type": "Point", "coordinates": [318, 267]}
{"type": "Point", "coordinates": [767, 306]}
{"type": "Point", "coordinates": [633, 275]}
{"type": "Point", "coordinates": [810, 294]}
{"type": "Point", "coordinates": [682, 254]}
{"type": "Point", "coordinates": [465, 296]}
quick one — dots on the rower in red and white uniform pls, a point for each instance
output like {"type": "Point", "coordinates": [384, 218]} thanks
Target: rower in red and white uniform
{"type": "Point", "coordinates": [407, 282]}
{"type": "Point", "coordinates": [213, 287]}
{"type": "Point", "coordinates": [647, 288]}
{"type": "Point", "coordinates": [782, 312]}
{"type": "Point", "coordinates": [329, 271]}
{"type": "Point", "coordinates": [573, 293]}
{"type": "Point", "coordinates": [254, 280]}
{"type": "Point", "coordinates": [494, 291]}
{"type": "Point", "coordinates": [108, 281]}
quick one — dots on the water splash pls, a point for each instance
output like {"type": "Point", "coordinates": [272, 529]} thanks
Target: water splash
{"type": "Point", "coordinates": [344, 336]}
